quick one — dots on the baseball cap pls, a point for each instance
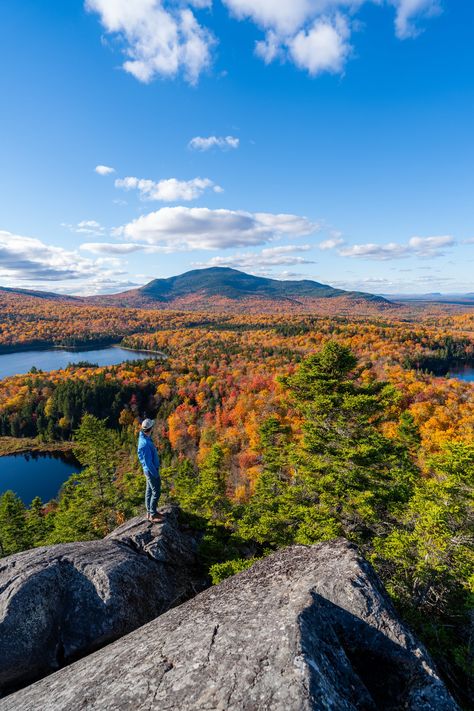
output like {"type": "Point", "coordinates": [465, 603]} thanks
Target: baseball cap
{"type": "Point", "coordinates": [147, 424]}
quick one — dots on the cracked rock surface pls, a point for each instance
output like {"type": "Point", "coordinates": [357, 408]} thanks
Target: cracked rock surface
{"type": "Point", "coordinates": [306, 628]}
{"type": "Point", "coordinates": [60, 602]}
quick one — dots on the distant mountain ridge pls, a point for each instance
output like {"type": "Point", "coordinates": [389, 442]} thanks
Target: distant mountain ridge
{"type": "Point", "coordinates": [48, 295]}
{"type": "Point", "coordinates": [221, 288]}
{"type": "Point", "coordinates": [228, 284]}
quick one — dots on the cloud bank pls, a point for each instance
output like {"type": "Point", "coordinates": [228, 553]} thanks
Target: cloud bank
{"type": "Point", "coordinates": [26, 258]}
{"type": "Point", "coordinates": [163, 38]}
{"type": "Point", "coordinates": [186, 228]}
{"type": "Point", "coordinates": [269, 257]}
{"type": "Point", "coordinates": [416, 246]}
{"type": "Point", "coordinates": [169, 190]}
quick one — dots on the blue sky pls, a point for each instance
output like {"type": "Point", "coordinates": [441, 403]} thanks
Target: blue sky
{"type": "Point", "coordinates": [333, 139]}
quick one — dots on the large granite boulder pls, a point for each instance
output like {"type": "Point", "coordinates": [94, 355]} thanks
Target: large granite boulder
{"type": "Point", "coordinates": [58, 603]}
{"type": "Point", "coordinates": [306, 628]}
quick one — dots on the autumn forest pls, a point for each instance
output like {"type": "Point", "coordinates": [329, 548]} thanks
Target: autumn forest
{"type": "Point", "coordinates": [272, 428]}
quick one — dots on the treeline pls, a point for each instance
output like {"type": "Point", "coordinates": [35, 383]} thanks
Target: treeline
{"type": "Point", "coordinates": [56, 415]}
{"type": "Point", "coordinates": [326, 459]}
{"type": "Point", "coordinates": [446, 353]}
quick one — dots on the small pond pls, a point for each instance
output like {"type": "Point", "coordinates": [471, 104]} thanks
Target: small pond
{"type": "Point", "coordinates": [462, 373]}
{"type": "Point", "coordinates": [19, 362]}
{"type": "Point", "coordinates": [35, 474]}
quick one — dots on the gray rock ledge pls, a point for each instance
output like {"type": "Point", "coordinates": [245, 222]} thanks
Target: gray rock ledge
{"type": "Point", "coordinates": [60, 602]}
{"type": "Point", "coordinates": [306, 628]}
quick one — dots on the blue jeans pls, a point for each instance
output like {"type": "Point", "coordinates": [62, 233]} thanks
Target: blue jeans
{"type": "Point", "coordinates": [152, 493]}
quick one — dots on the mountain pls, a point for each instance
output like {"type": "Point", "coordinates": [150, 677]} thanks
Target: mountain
{"type": "Point", "coordinates": [47, 295]}
{"type": "Point", "coordinates": [224, 289]}
{"type": "Point", "coordinates": [220, 286]}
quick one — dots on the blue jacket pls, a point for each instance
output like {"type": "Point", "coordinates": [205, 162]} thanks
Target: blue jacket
{"type": "Point", "coordinates": [148, 456]}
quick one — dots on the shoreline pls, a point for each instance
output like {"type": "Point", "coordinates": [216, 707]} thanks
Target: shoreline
{"type": "Point", "coordinates": [9, 350]}
{"type": "Point", "coordinates": [141, 350]}
{"type": "Point", "coordinates": [24, 445]}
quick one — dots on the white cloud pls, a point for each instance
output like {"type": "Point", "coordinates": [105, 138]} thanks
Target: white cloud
{"type": "Point", "coordinates": [286, 17]}
{"type": "Point", "coordinates": [269, 48]}
{"type": "Point", "coordinates": [323, 48]}
{"type": "Point", "coordinates": [416, 246]}
{"type": "Point", "coordinates": [161, 39]}
{"type": "Point", "coordinates": [430, 246]}
{"type": "Point", "coordinates": [185, 228]}
{"type": "Point", "coordinates": [335, 240]}
{"type": "Point", "coordinates": [26, 258]}
{"type": "Point", "coordinates": [110, 248]}
{"type": "Point", "coordinates": [201, 143]}
{"type": "Point", "coordinates": [408, 11]}
{"type": "Point", "coordinates": [315, 34]}
{"type": "Point", "coordinates": [104, 169]}
{"type": "Point", "coordinates": [170, 190]}
{"type": "Point", "coordinates": [269, 257]}
{"type": "Point", "coordinates": [86, 227]}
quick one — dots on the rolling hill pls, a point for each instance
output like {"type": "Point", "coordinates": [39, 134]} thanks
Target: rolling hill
{"type": "Point", "coordinates": [218, 287]}
{"type": "Point", "coordinates": [221, 289]}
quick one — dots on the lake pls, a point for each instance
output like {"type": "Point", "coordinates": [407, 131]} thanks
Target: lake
{"type": "Point", "coordinates": [20, 362]}
{"type": "Point", "coordinates": [34, 474]}
{"type": "Point", "coordinates": [466, 373]}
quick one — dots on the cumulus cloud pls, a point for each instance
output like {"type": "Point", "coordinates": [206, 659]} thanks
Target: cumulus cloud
{"type": "Point", "coordinates": [269, 257]}
{"type": "Point", "coordinates": [26, 258]}
{"type": "Point", "coordinates": [430, 246]}
{"type": "Point", "coordinates": [315, 34]}
{"type": "Point", "coordinates": [335, 240]}
{"type": "Point", "coordinates": [104, 169]}
{"type": "Point", "coordinates": [201, 143]}
{"type": "Point", "coordinates": [416, 246]}
{"type": "Point", "coordinates": [185, 228]}
{"type": "Point", "coordinates": [169, 190]}
{"type": "Point", "coordinates": [160, 39]}
{"type": "Point", "coordinates": [322, 48]}
{"type": "Point", "coordinates": [409, 11]}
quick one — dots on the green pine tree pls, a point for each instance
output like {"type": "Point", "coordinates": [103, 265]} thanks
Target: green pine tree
{"type": "Point", "coordinates": [209, 499]}
{"type": "Point", "coordinates": [264, 518]}
{"type": "Point", "coordinates": [14, 535]}
{"type": "Point", "coordinates": [89, 501]}
{"type": "Point", "coordinates": [38, 522]}
{"type": "Point", "coordinates": [347, 474]}
{"type": "Point", "coordinates": [427, 560]}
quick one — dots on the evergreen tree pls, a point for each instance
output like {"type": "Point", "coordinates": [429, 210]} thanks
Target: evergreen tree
{"type": "Point", "coordinates": [209, 498]}
{"type": "Point", "coordinates": [347, 474]}
{"type": "Point", "coordinates": [427, 560]}
{"type": "Point", "coordinates": [37, 522]}
{"type": "Point", "coordinates": [409, 433]}
{"type": "Point", "coordinates": [264, 518]}
{"type": "Point", "coordinates": [89, 501]}
{"type": "Point", "coordinates": [14, 535]}
{"type": "Point", "coordinates": [184, 482]}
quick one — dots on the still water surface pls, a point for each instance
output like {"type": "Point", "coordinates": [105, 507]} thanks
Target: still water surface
{"type": "Point", "coordinates": [30, 475]}
{"type": "Point", "coordinates": [56, 358]}
{"type": "Point", "coordinates": [466, 373]}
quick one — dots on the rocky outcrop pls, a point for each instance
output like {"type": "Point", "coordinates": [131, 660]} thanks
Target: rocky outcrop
{"type": "Point", "coordinates": [58, 603]}
{"type": "Point", "coordinates": [306, 628]}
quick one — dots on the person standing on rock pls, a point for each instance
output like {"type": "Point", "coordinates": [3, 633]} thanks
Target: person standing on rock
{"type": "Point", "coordinates": [150, 461]}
